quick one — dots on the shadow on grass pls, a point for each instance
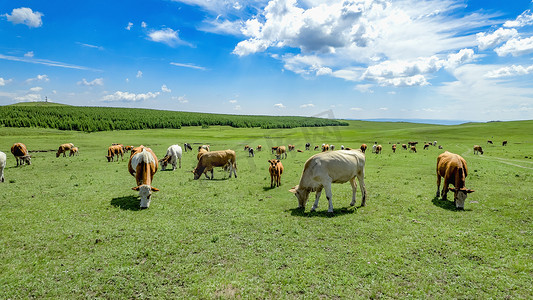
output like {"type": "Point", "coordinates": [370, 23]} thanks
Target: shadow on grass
{"type": "Point", "coordinates": [300, 212]}
{"type": "Point", "coordinates": [127, 203]}
{"type": "Point", "coordinates": [446, 204]}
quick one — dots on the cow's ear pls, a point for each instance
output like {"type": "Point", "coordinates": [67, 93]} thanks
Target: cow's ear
{"type": "Point", "coordinates": [155, 189]}
{"type": "Point", "coordinates": [293, 190]}
{"type": "Point", "coordinates": [278, 161]}
{"type": "Point", "coordinates": [135, 188]}
{"type": "Point", "coordinates": [452, 189]}
{"type": "Point", "coordinates": [469, 191]}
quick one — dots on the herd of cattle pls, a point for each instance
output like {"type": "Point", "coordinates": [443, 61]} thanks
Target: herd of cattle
{"type": "Point", "coordinates": [320, 170]}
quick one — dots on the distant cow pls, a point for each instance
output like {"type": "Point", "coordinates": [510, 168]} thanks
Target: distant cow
{"type": "Point", "coordinates": [378, 149]}
{"type": "Point", "coordinates": [74, 151]}
{"type": "Point", "coordinates": [280, 151]}
{"type": "Point", "coordinates": [316, 147]}
{"type": "Point", "coordinates": [63, 149]}
{"type": "Point", "coordinates": [412, 143]}
{"type": "Point", "coordinates": [3, 160]}
{"type": "Point", "coordinates": [453, 169]}
{"type": "Point", "coordinates": [210, 160]}
{"type": "Point", "coordinates": [291, 147]}
{"type": "Point", "coordinates": [251, 152]}
{"type": "Point", "coordinates": [374, 148]}
{"type": "Point", "coordinates": [332, 147]}
{"type": "Point", "coordinates": [504, 143]}
{"type": "Point", "coordinates": [274, 149]}
{"type": "Point", "coordinates": [201, 151]}
{"type": "Point", "coordinates": [187, 147]}
{"type": "Point", "coordinates": [434, 143]}
{"type": "Point", "coordinates": [323, 169]}
{"type": "Point", "coordinates": [275, 169]}
{"type": "Point", "coordinates": [143, 166]}
{"type": "Point", "coordinates": [489, 142]}
{"type": "Point", "coordinates": [21, 154]}
{"type": "Point", "coordinates": [299, 150]}
{"type": "Point", "coordinates": [404, 146]}
{"type": "Point", "coordinates": [206, 147]}
{"type": "Point", "coordinates": [307, 146]}
{"type": "Point", "coordinates": [413, 149]}
{"type": "Point", "coordinates": [426, 146]}
{"type": "Point", "coordinates": [259, 147]}
{"type": "Point", "coordinates": [173, 155]}
{"type": "Point", "coordinates": [127, 149]}
{"type": "Point", "coordinates": [113, 151]}
{"type": "Point", "coordinates": [393, 148]}
{"type": "Point", "coordinates": [325, 147]}
{"type": "Point", "coordinates": [363, 147]}
{"type": "Point", "coordinates": [478, 149]}
{"type": "Point", "coordinates": [440, 147]}
{"type": "Point", "coordinates": [246, 147]}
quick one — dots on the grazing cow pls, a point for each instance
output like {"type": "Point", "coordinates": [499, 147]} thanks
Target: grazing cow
{"type": "Point", "coordinates": [404, 146]}
{"type": "Point", "coordinates": [206, 147]}
{"type": "Point", "coordinates": [393, 148]}
{"type": "Point", "coordinates": [374, 148]}
{"type": "Point", "coordinates": [259, 147]}
{"type": "Point", "coordinates": [275, 169]}
{"type": "Point", "coordinates": [291, 147]}
{"type": "Point", "coordinates": [173, 155]}
{"type": "Point", "coordinates": [274, 149]}
{"type": "Point", "coordinates": [280, 152]}
{"type": "Point", "coordinates": [63, 149]}
{"type": "Point", "coordinates": [307, 146]}
{"type": "Point", "coordinates": [434, 143]}
{"type": "Point", "coordinates": [3, 160]}
{"type": "Point", "coordinates": [113, 151]}
{"type": "Point", "coordinates": [325, 147]}
{"type": "Point", "coordinates": [504, 143]}
{"type": "Point", "coordinates": [489, 142]}
{"type": "Point", "coordinates": [74, 151]}
{"type": "Point", "coordinates": [332, 147]}
{"type": "Point", "coordinates": [440, 147]}
{"type": "Point", "coordinates": [363, 147]}
{"type": "Point", "coordinates": [323, 169]}
{"type": "Point", "coordinates": [21, 154]}
{"type": "Point", "coordinates": [426, 146]}
{"type": "Point", "coordinates": [452, 168]}
{"type": "Point", "coordinates": [316, 147]}
{"type": "Point", "coordinates": [251, 152]}
{"type": "Point", "coordinates": [200, 153]}
{"type": "Point", "coordinates": [299, 150]}
{"type": "Point", "coordinates": [127, 149]}
{"type": "Point", "coordinates": [210, 160]}
{"type": "Point", "coordinates": [378, 149]}
{"type": "Point", "coordinates": [246, 147]}
{"type": "Point", "coordinates": [143, 165]}
{"type": "Point", "coordinates": [410, 144]}
{"type": "Point", "coordinates": [413, 149]}
{"type": "Point", "coordinates": [342, 147]}
{"type": "Point", "coordinates": [187, 147]}
{"type": "Point", "coordinates": [478, 149]}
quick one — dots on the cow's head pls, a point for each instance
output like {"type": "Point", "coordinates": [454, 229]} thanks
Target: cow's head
{"type": "Point", "coordinates": [57, 154]}
{"type": "Point", "coordinates": [301, 194]}
{"type": "Point", "coordinates": [164, 163]}
{"type": "Point", "coordinates": [459, 196]}
{"type": "Point", "coordinates": [197, 173]}
{"type": "Point", "coordinates": [26, 159]}
{"type": "Point", "coordinates": [145, 192]}
{"type": "Point", "coordinates": [109, 158]}
{"type": "Point", "coordinates": [274, 162]}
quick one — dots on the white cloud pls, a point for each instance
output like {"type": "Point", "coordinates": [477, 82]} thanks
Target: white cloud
{"type": "Point", "coordinates": [45, 62]}
{"type": "Point", "coordinates": [43, 78]}
{"type": "Point", "coordinates": [356, 109]}
{"type": "Point", "coordinates": [509, 71]}
{"type": "Point", "coordinates": [165, 89]}
{"type": "Point", "coordinates": [95, 82]}
{"type": "Point", "coordinates": [28, 98]}
{"type": "Point", "coordinates": [364, 88]}
{"type": "Point", "coordinates": [232, 101]}
{"type": "Point", "coordinates": [384, 108]}
{"type": "Point", "coordinates": [525, 19]}
{"type": "Point", "coordinates": [129, 97]}
{"type": "Point", "coordinates": [491, 40]}
{"type": "Point", "coordinates": [3, 81]}
{"type": "Point", "coordinates": [91, 46]}
{"type": "Point", "coordinates": [139, 74]}
{"type": "Point", "coordinates": [166, 36]}
{"type": "Point", "coordinates": [307, 105]}
{"type": "Point", "coordinates": [29, 54]}
{"type": "Point", "coordinates": [516, 47]}
{"type": "Point", "coordinates": [36, 89]}
{"type": "Point", "coordinates": [128, 27]}
{"type": "Point", "coordinates": [191, 66]}
{"type": "Point", "coordinates": [26, 16]}
{"type": "Point", "coordinates": [279, 105]}
{"type": "Point", "coordinates": [237, 107]}
{"type": "Point", "coordinates": [143, 24]}
{"type": "Point", "coordinates": [181, 99]}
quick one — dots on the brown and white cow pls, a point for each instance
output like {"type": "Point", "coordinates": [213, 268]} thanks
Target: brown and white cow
{"type": "Point", "coordinates": [74, 151]}
{"type": "Point", "coordinates": [478, 149]}
{"type": "Point", "coordinates": [127, 149]}
{"type": "Point", "coordinates": [259, 147]}
{"type": "Point", "coordinates": [275, 170]}
{"type": "Point", "coordinates": [113, 151]}
{"type": "Point", "coordinates": [453, 169]}
{"type": "Point", "coordinates": [325, 147]}
{"type": "Point", "coordinates": [404, 146]}
{"type": "Point", "coordinates": [21, 154]}
{"type": "Point", "coordinates": [143, 165]}
{"type": "Point", "coordinates": [280, 151]}
{"type": "Point", "coordinates": [210, 160]}
{"type": "Point", "coordinates": [206, 147]}
{"type": "Point", "coordinates": [323, 169]}
{"type": "Point", "coordinates": [201, 151]}
{"type": "Point", "coordinates": [363, 147]}
{"type": "Point", "coordinates": [393, 148]}
{"type": "Point", "coordinates": [426, 146]}
{"type": "Point", "coordinates": [413, 149]}
{"type": "Point", "coordinates": [378, 149]}
{"type": "Point", "coordinates": [291, 147]}
{"type": "Point", "coordinates": [274, 149]}
{"type": "Point", "coordinates": [63, 149]}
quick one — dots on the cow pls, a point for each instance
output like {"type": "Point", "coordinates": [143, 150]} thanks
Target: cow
{"type": "Point", "coordinates": [434, 143]}
{"type": "Point", "coordinates": [378, 149]}
{"type": "Point", "coordinates": [504, 143]}
{"type": "Point", "coordinates": [187, 147]}
{"type": "Point", "coordinates": [127, 149]}
{"type": "Point", "coordinates": [413, 149]}
{"type": "Point", "coordinates": [342, 147]}
{"type": "Point", "coordinates": [478, 149]}
{"type": "Point", "coordinates": [412, 143]}
{"type": "Point", "coordinates": [316, 148]}
{"type": "Point", "coordinates": [332, 147]}
{"type": "Point", "coordinates": [363, 147]}
{"type": "Point", "coordinates": [440, 147]}
{"type": "Point", "coordinates": [173, 155]}
{"type": "Point", "coordinates": [74, 151]}
{"type": "Point", "coordinates": [3, 160]}
{"type": "Point", "coordinates": [453, 169]}
{"type": "Point", "coordinates": [393, 148]}
{"type": "Point", "coordinates": [275, 169]}
{"type": "Point", "coordinates": [63, 149]}
{"type": "Point", "coordinates": [291, 147]}
{"type": "Point", "coordinates": [259, 147]}
{"type": "Point", "coordinates": [299, 150]}
{"type": "Point", "coordinates": [274, 149]}
{"type": "Point", "coordinates": [210, 160]}
{"type": "Point", "coordinates": [200, 153]}
{"type": "Point", "coordinates": [489, 142]}
{"type": "Point", "coordinates": [246, 147]}
{"type": "Point", "coordinates": [21, 154]}
{"type": "Point", "coordinates": [280, 152]}
{"type": "Point", "coordinates": [325, 147]}
{"type": "Point", "coordinates": [206, 147]}
{"type": "Point", "coordinates": [426, 146]}
{"type": "Point", "coordinates": [374, 148]}
{"type": "Point", "coordinates": [323, 169]}
{"type": "Point", "coordinates": [113, 151]}
{"type": "Point", "coordinates": [404, 146]}
{"type": "Point", "coordinates": [307, 146]}
{"type": "Point", "coordinates": [251, 152]}
{"type": "Point", "coordinates": [143, 166]}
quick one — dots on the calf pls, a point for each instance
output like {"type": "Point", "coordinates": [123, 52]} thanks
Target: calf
{"type": "Point", "coordinates": [210, 160]}
{"type": "Point", "coordinates": [127, 149]}
{"type": "Point", "coordinates": [363, 147]}
{"type": "Point", "coordinates": [325, 147]}
{"type": "Point", "coordinates": [316, 148]}
{"type": "Point", "coordinates": [453, 169]}
{"type": "Point", "coordinates": [478, 149]}
{"type": "Point", "coordinates": [74, 151]}
{"type": "Point", "coordinates": [323, 169]}
{"type": "Point", "coordinates": [21, 154]}
{"type": "Point", "coordinates": [275, 169]}
{"type": "Point", "coordinates": [291, 147]}
{"type": "Point", "coordinates": [173, 155]}
{"type": "Point", "coordinates": [63, 149]}
{"type": "Point", "coordinates": [143, 166]}
{"type": "Point", "coordinates": [280, 152]}
{"type": "Point", "coordinates": [3, 160]}
{"type": "Point", "coordinates": [113, 151]}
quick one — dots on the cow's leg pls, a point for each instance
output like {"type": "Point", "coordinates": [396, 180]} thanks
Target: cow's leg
{"type": "Point", "coordinates": [361, 178]}
{"type": "Point", "coordinates": [317, 196]}
{"type": "Point", "coordinates": [279, 179]}
{"type": "Point", "coordinates": [271, 180]}
{"type": "Point", "coordinates": [180, 162]}
{"type": "Point", "coordinates": [445, 189]}
{"type": "Point", "coordinates": [212, 173]}
{"type": "Point", "coordinates": [438, 184]}
{"type": "Point", "coordinates": [329, 195]}
{"type": "Point", "coordinates": [234, 167]}
{"type": "Point", "coordinates": [354, 189]}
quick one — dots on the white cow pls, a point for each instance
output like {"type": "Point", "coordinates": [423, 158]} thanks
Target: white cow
{"type": "Point", "coordinates": [323, 169]}
{"type": "Point", "coordinates": [3, 159]}
{"type": "Point", "coordinates": [174, 154]}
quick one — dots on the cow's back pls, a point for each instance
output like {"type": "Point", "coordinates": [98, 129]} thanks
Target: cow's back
{"type": "Point", "coordinates": [340, 166]}
{"type": "Point", "coordinates": [19, 149]}
{"type": "Point", "coordinates": [217, 158]}
{"type": "Point", "coordinates": [449, 164]}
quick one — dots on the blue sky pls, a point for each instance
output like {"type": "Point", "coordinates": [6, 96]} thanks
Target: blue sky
{"type": "Point", "coordinates": [359, 59]}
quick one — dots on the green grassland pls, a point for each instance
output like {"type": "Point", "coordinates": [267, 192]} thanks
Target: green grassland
{"type": "Point", "coordinates": [71, 227]}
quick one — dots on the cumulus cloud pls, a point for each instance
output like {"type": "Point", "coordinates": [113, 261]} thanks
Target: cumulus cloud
{"type": "Point", "coordinates": [181, 99]}
{"type": "Point", "coordinates": [26, 16]}
{"type": "Point", "coordinates": [237, 107]}
{"type": "Point", "coordinates": [139, 74]}
{"type": "Point", "coordinates": [509, 71]}
{"type": "Point", "coordinates": [128, 27]}
{"type": "Point", "coordinates": [43, 78]}
{"type": "Point", "coordinates": [166, 36]}
{"type": "Point", "coordinates": [95, 82]}
{"type": "Point", "coordinates": [3, 81]}
{"type": "Point", "coordinates": [232, 101]}
{"type": "Point", "coordinates": [144, 25]}
{"type": "Point", "coordinates": [279, 105]}
{"type": "Point", "coordinates": [364, 88]}
{"type": "Point", "coordinates": [36, 89]}
{"type": "Point", "coordinates": [491, 40]}
{"type": "Point", "coordinates": [516, 47]}
{"type": "Point", "coordinates": [30, 97]}
{"type": "Point", "coordinates": [307, 105]}
{"type": "Point", "coordinates": [129, 97]}
{"type": "Point", "coordinates": [29, 54]}
{"type": "Point", "coordinates": [525, 19]}
{"type": "Point", "coordinates": [165, 89]}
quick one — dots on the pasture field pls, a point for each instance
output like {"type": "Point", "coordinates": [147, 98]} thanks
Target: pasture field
{"type": "Point", "coordinates": [71, 227]}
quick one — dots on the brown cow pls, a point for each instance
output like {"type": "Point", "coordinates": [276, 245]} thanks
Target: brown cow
{"type": "Point", "coordinates": [478, 149]}
{"type": "Point", "coordinates": [210, 160]}
{"type": "Point", "coordinates": [453, 169]}
{"type": "Point", "coordinates": [291, 147]}
{"type": "Point", "coordinates": [21, 153]}
{"type": "Point", "coordinates": [246, 147]}
{"type": "Point", "coordinates": [363, 147]}
{"type": "Point", "coordinates": [325, 147]}
{"type": "Point", "coordinates": [316, 147]}
{"type": "Point", "coordinates": [143, 165]}
{"type": "Point", "coordinates": [259, 147]}
{"type": "Point", "coordinates": [280, 151]}
{"type": "Point", "coordinates": [274, 149]}
{"type": "Point", "coordinates": [201, 151]}
{"type": "Point", "coordinates": [74, 151]}
{"type": "Point", "coordinates": [404, 146]}
{"type": "Point", "coordinates": [63, 149]}
{"type": "Point", "coordinates": [413, 149]}
{"type": "Point", "coordinates": [113, 151]}
{"type": "Point", "coordinates": [393, 148]}
{"type": "Point", "coordinates": [127, 149]}
{"type": "Point", "coordinates": [275, 169]}
{"type": "Point", "coordinates": [378, 149]}
{"type": "Point", "coordinates": [426, 146]}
